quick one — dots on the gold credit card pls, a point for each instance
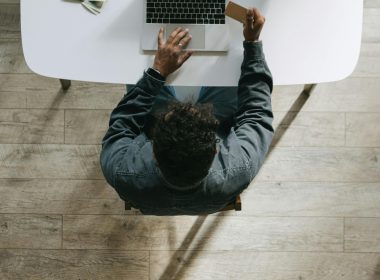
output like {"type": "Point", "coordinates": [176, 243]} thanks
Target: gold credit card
{"type": "Point", "coordinates": [236, 11]}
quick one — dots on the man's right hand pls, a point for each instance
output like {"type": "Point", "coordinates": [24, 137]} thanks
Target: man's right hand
{"type": "Point", "coordinates": [253, 25]}
{"type": "Point", "coordinates": [170, 54]}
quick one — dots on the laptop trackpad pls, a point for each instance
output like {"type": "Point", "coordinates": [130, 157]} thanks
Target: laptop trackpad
{"type": "Point", "coordinates": [198, 33]}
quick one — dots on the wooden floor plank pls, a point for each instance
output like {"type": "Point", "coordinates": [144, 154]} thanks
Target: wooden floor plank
{"type": "Point", "coordinates": [371, 22]}
{"type": "Point", "coordinates": [17, 2]}
{"type": "Point", "coordinates": [188, 265]}
{"type": "Point", "coordinates": [369, 61]}
{"type": "Point", "coordinates": [284, 96]}
{"type": "Point", "coordinates": [309, 129]}
{"type": "Point", "coordinates": [48, 196]}
{"type": "Point", "coordinates": [30, 231]}
{"type": "Point", "coordinates": [210, 233]}
{"type": "Point", "coordinates": [350, 95]}
{"type": "Point", "coordinates": [363, 129]}
{"type": "Point", "coordinates": [81, 95]}
{"type": "Point", "coordinates": [45, 93]}
{"type": "Point", "coordinates": [14, 89]}
{"type": "Point", "coordinates": [12, 100]}
{"type": "Point", "coordinates": [31, 126]}
{"type": "Point", "coordinates": [78, 130]}
{"type": "Point", "coordinates": [10, 21]}
{"type": "Point", "coordinates": [322, 164]}
{"type": "Point", "coordinates": [372, 3]}
{"type": "Point", "coordinates": [11, 57]}
{"type": "Point", "coordinates": [362, 234]}
{"type": "Point", "coordinates": [50, 161]}
{"type": "Point", "coordinates": [311, 199]}
{"type": "Point", "coordinates": [73, 264]}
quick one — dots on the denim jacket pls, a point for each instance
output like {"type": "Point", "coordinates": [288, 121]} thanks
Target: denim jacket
{"type": "Point", "coordinates": [129, 165]}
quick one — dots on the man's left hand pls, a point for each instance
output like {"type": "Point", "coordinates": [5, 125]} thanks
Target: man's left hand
{"type": "Point", "coordinates": [170, 55]}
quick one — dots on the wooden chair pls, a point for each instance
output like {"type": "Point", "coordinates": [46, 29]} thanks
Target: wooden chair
{"type": "Point", "coordinates": [235, 205]}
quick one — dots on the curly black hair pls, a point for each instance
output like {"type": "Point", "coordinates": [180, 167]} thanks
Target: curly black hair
{"type": "Point", "coordinates": [184, 142]}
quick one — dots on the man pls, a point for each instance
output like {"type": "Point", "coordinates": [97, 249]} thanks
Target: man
{"type": "Point", "coordinates": [184, 165]}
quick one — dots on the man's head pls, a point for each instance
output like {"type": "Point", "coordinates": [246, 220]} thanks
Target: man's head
{"type": "Point", "coordinates": [184, 142]}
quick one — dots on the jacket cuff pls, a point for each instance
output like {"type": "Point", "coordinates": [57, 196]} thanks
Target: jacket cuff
{"type": "Point", "coordinates": [155, 74]}
{"type": "Point", "coordinates": [149, 83]}
{"type": "Point", "coordinates": [254, 50]}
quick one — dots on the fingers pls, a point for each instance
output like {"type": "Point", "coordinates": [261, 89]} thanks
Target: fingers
{"type": "Point", "coordinates": [254, 17]}
{"type": "Point", "coordinates": [185, 41]}
{"type": "Point", "coordinates": [254, 23]}
{"type": "Point", "coordinates": [255, 13]}
{"type": "Point", "coordinates": [174, 34]}
{"type": "Point", "coordinates": [249, 20]}
{"type": "Point", "coordinates": [258, 19]}
{"type": "Point", "coordinates": [184, 57]}
{"type": "Point", "coordinates": [161, 39]}
{"type": "Point", "coordinates": [170, 54]}
{"type": "Point", "coordinates": [180, 35]}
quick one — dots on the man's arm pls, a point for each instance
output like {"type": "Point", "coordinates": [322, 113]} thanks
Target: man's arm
{"type": "Point", "coordinates": [254, 116]}
{"type": "Point", "coordinates": [129, 117]}
{"type": "Point", "coordinates": [127, 121]}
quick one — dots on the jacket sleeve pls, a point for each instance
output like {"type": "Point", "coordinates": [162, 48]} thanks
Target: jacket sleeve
{"type": "Point", "coordinates": [253, 120]}
{"type": "Point", "coordinates": [127, 121]}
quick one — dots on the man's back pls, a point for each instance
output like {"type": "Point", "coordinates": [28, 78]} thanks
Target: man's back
{"type": "Point", "coordinates": [140, 182]}
{"type": "Point", "coordinates": [129, 164]}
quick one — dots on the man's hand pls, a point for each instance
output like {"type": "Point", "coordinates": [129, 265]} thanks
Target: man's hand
{"type": "Point", "coordinates": [170, 55]}
{"type": "Point", "coordinates": [253, 25]}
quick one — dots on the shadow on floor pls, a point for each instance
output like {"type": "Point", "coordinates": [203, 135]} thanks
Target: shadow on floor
{"type": "Point", "coordinates": [183, 258]}
{"type": "Point", "coordinates": [376, 272]}
{"type": "Point", "coordinates": [290, 116]}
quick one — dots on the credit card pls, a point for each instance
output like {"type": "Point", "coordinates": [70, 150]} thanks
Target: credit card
{"type": "Point", "coordinates": [236, 12]}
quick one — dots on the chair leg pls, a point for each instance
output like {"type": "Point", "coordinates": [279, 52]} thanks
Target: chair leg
{"type": "Point", "coordinates": [65, 84]}
{"type": "Point", "coordinates": [127, 206]}
{"type": "Point", "coordinates": [238, 203]}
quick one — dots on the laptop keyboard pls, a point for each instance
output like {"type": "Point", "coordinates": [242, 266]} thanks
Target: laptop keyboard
{"type": "Point", "coordinates": [185, 11]}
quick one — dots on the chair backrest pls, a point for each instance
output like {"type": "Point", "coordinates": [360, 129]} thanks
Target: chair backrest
{"type": "Point", "coordinates": [235, 205]}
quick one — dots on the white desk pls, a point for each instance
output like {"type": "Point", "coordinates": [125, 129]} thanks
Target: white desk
{"type": "Point", "coordinates": [305, 42]}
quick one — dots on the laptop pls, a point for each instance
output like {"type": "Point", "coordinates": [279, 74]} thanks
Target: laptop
{"type": "Point", "coordinates": [205, 20]}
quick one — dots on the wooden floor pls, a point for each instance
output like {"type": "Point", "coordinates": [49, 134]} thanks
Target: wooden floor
{"type": "Point", "coordinates": [313, 212]}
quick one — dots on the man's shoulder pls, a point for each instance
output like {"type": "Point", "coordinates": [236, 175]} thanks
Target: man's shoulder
{"type": "Point", "coordinates": [225, 182]}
